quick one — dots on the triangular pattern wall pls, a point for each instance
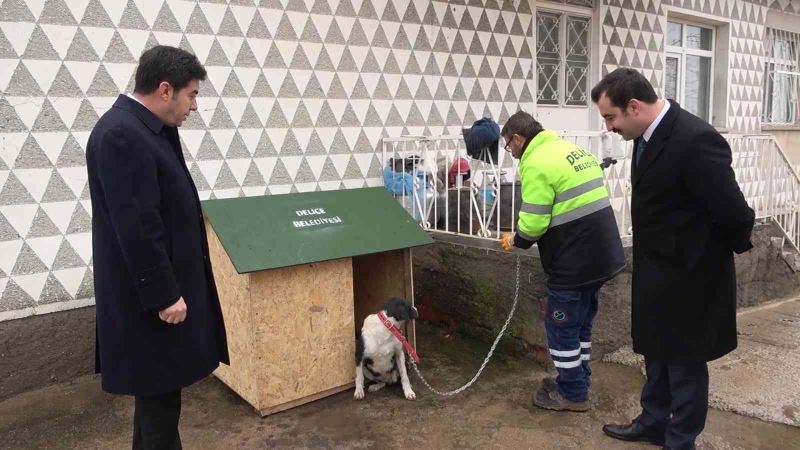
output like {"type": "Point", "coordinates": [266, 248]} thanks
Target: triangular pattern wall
{"type": "Point", "coordinates": [298, 97]}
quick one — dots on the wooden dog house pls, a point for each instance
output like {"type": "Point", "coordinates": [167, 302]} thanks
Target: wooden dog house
{"type": "Point", "coordinates": [297, 274]}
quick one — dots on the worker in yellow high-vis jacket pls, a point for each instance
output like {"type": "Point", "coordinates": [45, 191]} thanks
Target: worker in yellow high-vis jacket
{"type": "Point", "coordinates": [566, 211]}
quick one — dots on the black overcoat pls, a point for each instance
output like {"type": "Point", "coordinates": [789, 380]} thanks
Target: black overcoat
{"type": "Point", "coordinates": [150, 248]}
{"type": "Point", "coordinates": [689, 218]}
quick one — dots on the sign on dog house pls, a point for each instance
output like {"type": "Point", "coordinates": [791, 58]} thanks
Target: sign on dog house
{"type": "Point", "coordinates": [297, 274]}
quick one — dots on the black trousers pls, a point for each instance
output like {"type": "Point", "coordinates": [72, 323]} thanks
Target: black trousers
{"type": "Point", "coordinates": [675, 400]}
{"type": "Point", "coordinates": [155, 422]}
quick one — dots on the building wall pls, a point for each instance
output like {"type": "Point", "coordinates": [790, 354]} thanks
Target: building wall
{"type": "Point", "coordinates": [298, 96]}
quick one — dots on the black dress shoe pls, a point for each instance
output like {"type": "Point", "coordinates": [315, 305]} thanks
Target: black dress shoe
{"type": "Point", "coordinates": [635, 432]}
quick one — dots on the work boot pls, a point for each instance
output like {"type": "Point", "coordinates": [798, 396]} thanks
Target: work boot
{"type": "Point", "coordinates": [553, 400]}
{"type": "Point", "coordinates": [548, 384]}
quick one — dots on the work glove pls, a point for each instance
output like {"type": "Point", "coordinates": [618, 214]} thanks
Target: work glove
{"type": "Point", "coordinates": [507, 241]}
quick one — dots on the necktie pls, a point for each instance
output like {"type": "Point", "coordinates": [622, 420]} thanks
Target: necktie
{"type": "Point", "coordinates": [640, 149]}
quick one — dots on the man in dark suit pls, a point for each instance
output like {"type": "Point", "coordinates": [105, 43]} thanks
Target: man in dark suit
{"type": "Point", "coordinates": [159, 321]}
{"type": "Point", "coordinates": [689, 217]}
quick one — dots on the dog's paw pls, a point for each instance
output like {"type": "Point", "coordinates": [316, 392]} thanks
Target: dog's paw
{"type": "Point", "coordinates": [359, 394]}
{"type": "Point", "coordinates": [410, 395]}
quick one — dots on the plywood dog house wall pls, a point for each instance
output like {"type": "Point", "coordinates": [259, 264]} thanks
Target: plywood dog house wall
{"type": "Point", "coordinates": [297, 274]}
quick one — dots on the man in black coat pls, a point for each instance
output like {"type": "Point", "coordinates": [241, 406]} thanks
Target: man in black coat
{"type": "Point", "coordinates": [689, 217]}
{"type": "Point", "coordinates": [159, 321]}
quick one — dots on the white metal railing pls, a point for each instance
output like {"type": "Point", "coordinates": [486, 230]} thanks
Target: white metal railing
{"type": "Point", "coordinates": [447, 191]}
{"type": "Point", "coordinates": [481, 199]}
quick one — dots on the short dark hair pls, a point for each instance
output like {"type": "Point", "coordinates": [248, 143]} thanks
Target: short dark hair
{"type": "Point", "coordinates": [623, 85]}
{"type": "Point", "coordinates": [163, 63]}
{"type": "Point", "coordinates": [523, 124]}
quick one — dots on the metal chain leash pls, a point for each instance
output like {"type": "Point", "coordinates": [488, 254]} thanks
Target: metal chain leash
{"type": "Point", "coordinates": [488, 357]}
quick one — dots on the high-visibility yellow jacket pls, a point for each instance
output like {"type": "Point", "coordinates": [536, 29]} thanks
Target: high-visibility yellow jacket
{"type": "Point", "coordinates": [566, 211]}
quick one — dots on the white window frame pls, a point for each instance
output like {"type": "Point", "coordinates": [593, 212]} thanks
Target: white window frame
{"type": "Point", "coordinates": [790, 68]}
{"type": "Point", "coordinates": [564, 11]}
{"type": "Point", "coordinates": [681, 52]}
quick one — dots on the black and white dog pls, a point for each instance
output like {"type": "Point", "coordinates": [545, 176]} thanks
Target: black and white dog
{"type": "Point", "coordinates": [379, 355]}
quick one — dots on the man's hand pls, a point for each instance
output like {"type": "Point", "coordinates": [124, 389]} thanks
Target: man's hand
{"type": "Point", "coordinates": [507, 241]}
{"type": "Point", "coordinates": [175, 314]}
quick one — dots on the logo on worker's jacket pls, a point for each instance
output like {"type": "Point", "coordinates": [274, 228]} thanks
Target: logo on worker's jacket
{"type": "Point", "coordinates": [559, 316]}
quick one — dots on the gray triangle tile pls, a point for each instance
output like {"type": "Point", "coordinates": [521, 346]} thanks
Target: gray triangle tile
{"type": "Point", "coordinates": [86, 289]}
{"type": "Point", "coordinates": [31, 156]}
{"type": "Point", "coordinates": [15, 298]}
{"type": "Point", "coordinates": [453, 117]}
{"type": "Point", "coordinates": [359, 90]}
{"type": "Point", "coordinates": [194, 122]}
{"type": "Point", "coordinates": [339, 145]}
{"type": "Point", "coordinates": [391, 66]}
{"type": "Point", "coordinates": [274, 58]}
{"type": "Point", "coordinates": [216, 56]}
{"type": "Point", "coordinates": [48, 119]}
{"type": "Point", "coordinates": [300, 60]}
{"type": "Point", "coordinates": [86, 118]}
{"type": "Point", "coordinates": [7, 232]}
{"type": "Point", "coordinates": [198, 24]}
{"type": "Point", "coordinates": [290, 146]}
{"type": "Point", "coordinates": [315, 145]}
{"type": "Point", "coordinates": [14, 192]}
{"type": "Point", "coordinates": [326, 118]}
{"type": "Point", "coordinates": [310, 32]}
{"type": "Point", "coordinates": [403, 93]}
{"type": "Point", "coordinates": [345, 9]}
{"type": "Point", "coordinates": [23, 84]}
{"type": "Point", "coordinates": [357, 35]}
{"type": "Point", "coordinates": [324, 62]}
{"type": "Point", "coordinates": [28, 262]}
{"type": "Point", "coordinates": [434, 117]}
{"type": "Point", "coordinates": [393, 119]}
{"type": "Point", "coordinates": [285, 31]}
{"type": "Point", "coordinates": [6, 49]}
{"type": "Point", "coordinates": [39, 46]}
{"type": "Point", "coordinates": [334, 35]}
{"type": "Point", "coordinates": [382, 91]}
{"type": "Point", "coordinates": [349, 118]}
{"type": "Point", "coordinates": [276, 117]}
{"type": "Point", "coordinates": [509, 50]}
{"type": "Point", "coordinates": [225, 179]}
{"type": "Point", "coordinates": [379, 40]}
{"type": "Point", "coordinates": [264, 147]}
{"type": "Point", "coordinates": [80, 49]}
{"type": "Point", "coordinates": [165, 20]}
{"type": "Point", "coordinates": [441, 92]}
{"type": "Point", "coordinates": [302, 119]}
{"type": "Point", "coordinates": [56, 12]}
{"type": "Point", "coordinates": [449, 20]}
{"type": "Point", "coordinates": [375, 169]}
{"type": "Point", "coordinates": [401, 40]}
{"type": "Point", "coordinates": [329, 172]}
{"type": "Point", "coordinates": [102, 85]}
{"type": "Point", "coordinates": [321, 7]}
{"type": "Point", "coordinates": [516, 28]}
{"type": "Point", "coordinates": [279, 174]}
{"type": "Point", "coordinates": [229, 26]}
{"type": "Point", "coordinates": [362, 144]}
{"type": "Point", "coordinates": [372, 118]}
{"type": "Point", "coordinates": [347, 63]}
{"type": "Point", "coordinates": [117, 51]}
{"type": "Point", "coordinates": [96, 15]}
{"type": "Point", "coordinates": [15, 11]}
{"type": "Point", "coordinates": [262, 88]}
{"type": "Point", "coordinates": [313, 89]}
{"type": "Point", "coordinates": [208, 149]}
{"type": "Point", "coordinates": [411, 14]}
{"type": "Point", "coordinates": [440, 45]}
{"type": "Point", "coordinates": [198, 177]}
{"type": "Point", "coordinates": [132, 18]}
{"type": "Point", "coordinates": [390, 13]}
{"type": "Point", "coordinates": [367, 11]}
{"type": "Point", "coordinates": [64, 85]}
{"type": "Point", "coordinates": [258, 29]}
{"type": "Point", "coordinates": [53, 292]}
{"type": "Point", "coordinates": [233, 88]}
{"type": "Point", "coordinates": [336, 90]}
{"type": "Point", "coordinates": [250, 118]}
{"type": "Point", "coordinates": [246, 58]}
{"type": "Point", "coordinates": [57, 190]}
{"type": "Point", "coordinates": [253, 178]}
{"type": "Point", "coordinates": [304, 172]}
{"type": "Point", "coordinates": [237, 148]}
{"type": "Point", "coordinates": [352, 172]}
{"type": "Point", "coordinates": [288, 88]}
{"type": "Point", "coordinates": [296, 5]}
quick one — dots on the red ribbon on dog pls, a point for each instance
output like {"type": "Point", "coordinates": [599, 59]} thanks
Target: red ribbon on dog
{"type": "Point", "coordinates": [388, 324]}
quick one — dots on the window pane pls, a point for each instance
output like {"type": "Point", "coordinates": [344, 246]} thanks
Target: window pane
{"type": "Point", "coordinates": [697, 87]}
{"type": "Point", "coordinates": [674, 31]}
{"type": "Point", "coordinates": [671, 79]}
{"type": "Point", "coordinates": [699, 38]}
{"type": "Point", "coordinates": [576, 77]}
{"type": "Point", "coordinates": [548, 57]}
{"type": "Point", "coordinates": [577, 39]}
{"type": "Point", "coordinates": [577, 63]}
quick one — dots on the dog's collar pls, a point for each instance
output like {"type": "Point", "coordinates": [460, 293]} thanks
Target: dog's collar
{"type": "Point", "coordinates": [396, 332]}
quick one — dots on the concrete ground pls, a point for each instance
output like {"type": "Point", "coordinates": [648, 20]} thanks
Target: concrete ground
{"type": "Point", "coordinates": [495, 413]}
